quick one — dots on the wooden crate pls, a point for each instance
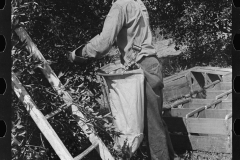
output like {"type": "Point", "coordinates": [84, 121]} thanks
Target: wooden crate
{"type": "Point", "coordinates": [209, 128]}
{"type": "Point", "coordinates": [196, 78]}
{"type": "Point", "coordinates": [208, 125]}
{"type": "Point", "coordinates": [221, 86]}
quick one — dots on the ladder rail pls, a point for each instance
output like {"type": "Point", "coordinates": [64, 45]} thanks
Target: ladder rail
{"type": "Point", "coordinates": [84, 153]}
{"type": "Point", "coordinates": [59, 88]}
{"type": "Point", "coordinates": [40, 120]}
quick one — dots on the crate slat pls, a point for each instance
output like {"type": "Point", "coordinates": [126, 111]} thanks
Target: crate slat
{"type": "Point", "coordinates": [208, 113]}
{"type": "Point", "coordinates": [213, 71]}
{"type": "Point", "coordinates": [195, 103]}
{"type": "Point", "coordinates": [221, 86]}
{"type": "Point", "coordinates": [227, 77]}
{"type": "Point", "coordinates": [199, 125]}
{"type": "Point", "coordinates": [214, 94]}
{"type": "Point", "coordinates": [177, 112]}
{"type": "Point", "coordinates": [216, 113]}
{"type": "Point", "coordinates": [208, 126]}
{"type": "Point", "coordinates": [175, 89]}
{"type": "Point", "coordinates": [219, 144]}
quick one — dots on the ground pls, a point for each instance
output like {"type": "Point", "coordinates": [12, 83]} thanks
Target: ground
{"type": "Point", "coordinates": [198, 155]}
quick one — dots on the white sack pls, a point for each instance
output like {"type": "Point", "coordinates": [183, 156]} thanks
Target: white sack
{"type": "Point", "coordinates": [126, 97]}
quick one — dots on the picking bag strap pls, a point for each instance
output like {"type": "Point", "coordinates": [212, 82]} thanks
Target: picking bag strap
{"type": "Point", "coordinates": [138, 40]}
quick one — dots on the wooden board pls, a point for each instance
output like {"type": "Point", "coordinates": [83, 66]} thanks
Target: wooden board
{"type": "Point", "coordinates": [227, 77]}
{"type": "Point", "coordinates": [213, 94]}
{"type": "Point", "coordinates": [225, 73]}
{"type": "Point", "coordinates": [202, 79]}
{"type": "Point", "coordinates": [175, 89]}
{"type": "Point", "coordinates": [212, 74]}
{"type": "Point", "coordinates": [208, 126]}
{"type": "Point", "coordinates": [216, 71]}
{"type": "Point", "coordinates": [215, 68]}
{"type": "Point", "coordinates": [210, 70]}
{"type": "Point", "coordinates": [199, 125]}
{"type": "Point", "coordinates": [177, 112]}
{"type": "Point", "coordinates": [215, 113]}
{"type": "Point", "coordinates": [196, 103]}
{"type": "Point", "coordinates": [219, 144]}
{"type": "Point", "coordinates": [208, 113]}
{"type": "Point", "coordinates": [176, 80]}
{"type": "Point", "coordinates": [221, 86]}
{"type": "Point", "coordinates": [176, 76]}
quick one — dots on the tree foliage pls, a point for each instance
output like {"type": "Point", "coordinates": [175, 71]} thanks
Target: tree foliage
{"type": "Point", "coordinates": [57, 26]}
{"type": "Point", "coordinates": [203, 26]}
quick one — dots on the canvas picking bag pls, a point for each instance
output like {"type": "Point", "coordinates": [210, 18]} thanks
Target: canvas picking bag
{"type": "Point", "coordinates": [126, 99]}
{"type": "Point", "coordinates": [125, 90]}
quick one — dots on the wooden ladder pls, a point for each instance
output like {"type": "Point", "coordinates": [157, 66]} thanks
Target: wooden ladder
{"type": "Point", "coordinates": [41, 120]}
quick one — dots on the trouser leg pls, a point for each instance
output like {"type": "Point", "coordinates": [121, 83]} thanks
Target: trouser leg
{"type": "Point", "coordinates": [158, 138]}
{"type": "Point", "coordinates": [169, 142]}
{"type": "Point", "coordinates": [156, 131]}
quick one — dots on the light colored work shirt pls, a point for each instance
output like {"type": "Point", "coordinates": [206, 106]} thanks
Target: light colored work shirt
{"type": "Point", "coordinates": [121, 25]}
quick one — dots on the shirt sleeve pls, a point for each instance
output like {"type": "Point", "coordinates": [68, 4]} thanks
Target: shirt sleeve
{"type": "Point", "coordinates": [101, 44]}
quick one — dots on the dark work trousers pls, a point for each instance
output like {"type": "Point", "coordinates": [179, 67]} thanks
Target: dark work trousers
{"type": "Point", "coordinates": [155, 128]}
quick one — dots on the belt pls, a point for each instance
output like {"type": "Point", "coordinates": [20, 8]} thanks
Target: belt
{"type": "Point", "coordinates": [147, 57]}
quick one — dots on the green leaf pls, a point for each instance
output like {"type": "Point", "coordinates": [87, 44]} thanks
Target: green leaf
{"type": "Point", "coordinates": [22, 133]}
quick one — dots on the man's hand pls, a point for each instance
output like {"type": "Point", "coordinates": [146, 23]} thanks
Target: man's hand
{"type": "Point", "coordinates": [71, 56]}
{"type": "Point", "coordinates": [76, 55]}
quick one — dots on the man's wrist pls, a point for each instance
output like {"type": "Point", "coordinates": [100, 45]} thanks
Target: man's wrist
{"type": "Point", "coordinates": [78, 52]}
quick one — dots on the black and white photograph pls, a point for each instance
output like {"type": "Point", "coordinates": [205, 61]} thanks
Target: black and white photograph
{"type": "Point", "coordinates": [121, 80]}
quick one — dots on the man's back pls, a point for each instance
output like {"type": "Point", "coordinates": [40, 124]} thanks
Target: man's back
{"type": "Point", "coordinates": [123, 23]}
{"type": "Point", "coordinates": [134, 26]}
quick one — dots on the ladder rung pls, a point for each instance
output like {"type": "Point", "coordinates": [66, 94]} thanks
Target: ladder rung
{"type": "Point", "coordinates": [60, 109]}
{"type": "Point", "coordinates": [84, 153]}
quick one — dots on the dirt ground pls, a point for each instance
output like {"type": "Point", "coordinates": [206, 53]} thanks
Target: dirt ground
{"type": "Point", "coordinates": [198, 155]}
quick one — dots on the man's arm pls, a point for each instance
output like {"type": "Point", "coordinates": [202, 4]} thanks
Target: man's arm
{"type": "Point", "coordinates": [101, 44]}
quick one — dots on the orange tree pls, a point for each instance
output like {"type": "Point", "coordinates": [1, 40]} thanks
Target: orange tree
{"type": "Point", "coordinates": [57, 26]}
{"type": "Point", "coordinates": [204, 26]}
